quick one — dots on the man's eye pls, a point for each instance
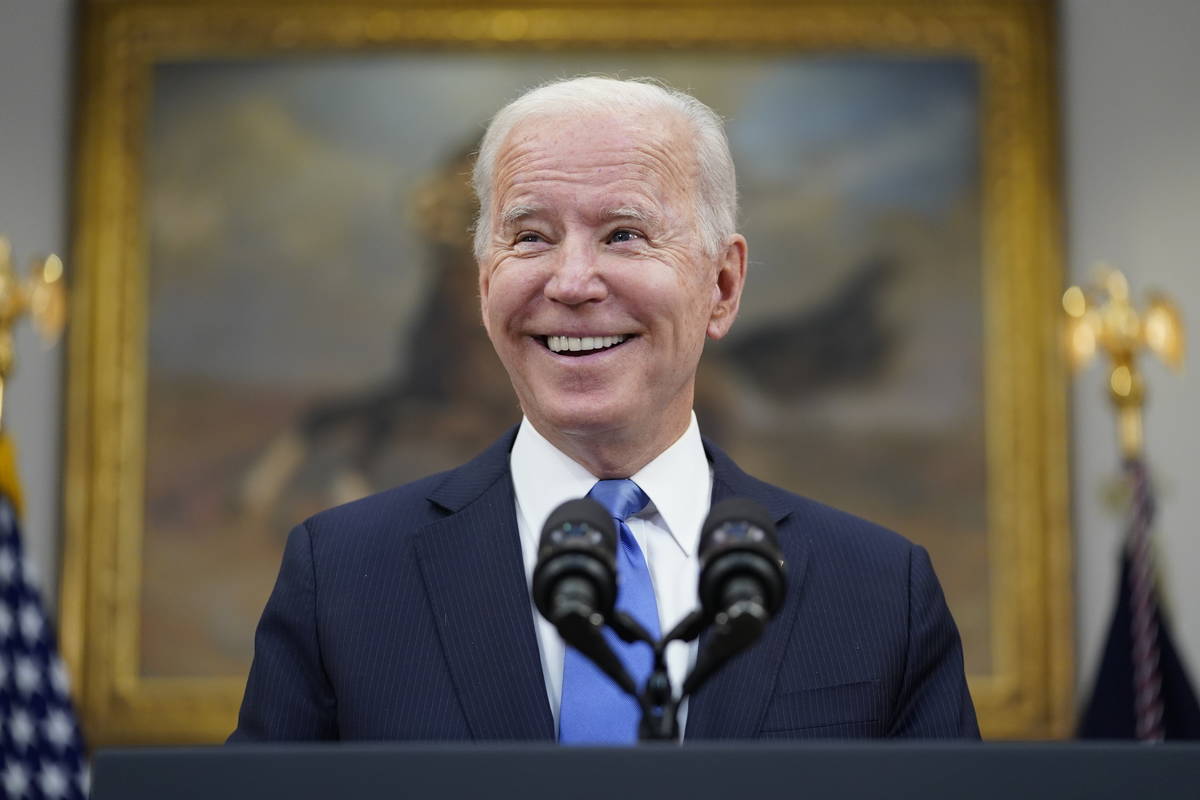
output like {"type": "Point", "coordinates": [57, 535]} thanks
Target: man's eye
{"type": "Point", "coordinates": [624, 235]}
{"type": "Point", "coordinates": [528, 237]}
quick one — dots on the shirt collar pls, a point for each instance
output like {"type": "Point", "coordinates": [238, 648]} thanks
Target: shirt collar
{"type": "Point", "coordinates": [678, 482]}
{"type": "Point", "coordinates": [543, 477]}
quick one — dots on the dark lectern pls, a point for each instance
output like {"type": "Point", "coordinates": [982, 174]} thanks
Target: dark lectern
{"type": "Point", "coordinates": [929, 771]}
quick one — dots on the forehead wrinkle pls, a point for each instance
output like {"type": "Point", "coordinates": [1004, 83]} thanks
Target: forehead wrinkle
{"type": "Point", "coordinates": [537, 156]}
{"type": "Point", "coordinates": [650, 150]}
{"type": "Point", "coordinates": [670, 163]}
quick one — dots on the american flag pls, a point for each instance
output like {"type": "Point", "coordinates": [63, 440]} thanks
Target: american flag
{"type": "Point", "coordinates": [1142, 690]}
{"type": "Point", "coordinates": [41, 747]}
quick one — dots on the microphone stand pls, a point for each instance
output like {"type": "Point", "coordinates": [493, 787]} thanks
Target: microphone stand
{"type": "Point", "coordinates": [741, 585]}
{"type": "Point", "coordinates": [734, 631]}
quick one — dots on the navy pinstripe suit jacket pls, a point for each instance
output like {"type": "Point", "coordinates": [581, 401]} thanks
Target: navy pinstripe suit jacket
{"type": "Point", "coordinates": [406, 616]}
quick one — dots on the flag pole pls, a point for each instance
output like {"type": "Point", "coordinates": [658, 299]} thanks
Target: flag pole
{"type": "Point", "coordinates": [1104, 319]}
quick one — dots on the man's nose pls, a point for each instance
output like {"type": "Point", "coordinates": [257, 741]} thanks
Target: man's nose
{"type": "Point", "coordinates": [576, 277]}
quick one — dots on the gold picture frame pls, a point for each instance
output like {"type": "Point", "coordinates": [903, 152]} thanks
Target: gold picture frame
{"type": "Point", "coordinates": [1029, 692]}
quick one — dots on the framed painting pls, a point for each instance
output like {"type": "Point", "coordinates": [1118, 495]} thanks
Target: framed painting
{"type": "Point", "coordinates": [275, 305]}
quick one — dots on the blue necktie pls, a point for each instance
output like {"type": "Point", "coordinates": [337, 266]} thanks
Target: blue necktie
{"type": "Point", "coordinates": [595, 710]}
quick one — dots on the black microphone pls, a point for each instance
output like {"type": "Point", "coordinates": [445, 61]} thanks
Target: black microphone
{"type": "Point", "coordinates": [741, 582]}
{"type": "Point", "coordinates": [575, 581]}
{"type": "Point", "coordinates": [741, 568]}
{"type": "Point", "coordinates": [576, 571]}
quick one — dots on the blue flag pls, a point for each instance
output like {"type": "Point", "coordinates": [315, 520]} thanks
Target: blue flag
{"type": "Point", "coordinates": [41, 747]}
{"type": "Point", "coordinates": [1111, 710]}
{"type": "Point", "coordinates": [1142, 690]}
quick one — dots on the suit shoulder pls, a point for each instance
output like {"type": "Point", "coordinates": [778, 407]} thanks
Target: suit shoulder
{"type": "Point", "coordinates": [853, 528]}
{"type": "Point", "coordinates": [844, 551]}
{"type": "Point", "coordinates": [832, 528]}
{"type": "Point", "coordinates": [398, 510]}
{"type": "Point", "coordinates": [823, 525]}
{"type": "Point", "coordinates": [403, 509]}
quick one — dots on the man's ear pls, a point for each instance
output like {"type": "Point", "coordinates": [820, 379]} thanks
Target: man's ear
{"type": "Point", "coordinates": [727, 290]}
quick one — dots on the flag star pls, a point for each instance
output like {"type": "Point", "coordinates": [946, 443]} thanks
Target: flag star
{"type": "Point", "coordinates": [84, 780]}
{"type": "Point", "coordinates": [28, 676]}
{"type": "Point", "coordinates": [6, 621]}
{"type": "Point", "coordinates": [58, 728]}
{"type": "Point", "coordinates": [31, 622]}
{"type": "Point", "coordinates": [58, 677]}
{"type": "Point", "coordinates": [6, 517]}
{"type": "Point", "coordinates": [53, 781]}
{"type": "Point", "coordinates": [20, 728]}
{"type": "Point", "coordinates": [3, 671]}
{"type": "Point", "coordinates": [8, 565]}
{"type": "Point", "coordinates": [15, 780]}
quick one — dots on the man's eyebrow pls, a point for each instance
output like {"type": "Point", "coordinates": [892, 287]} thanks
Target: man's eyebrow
{"type": "Point", "coordinates": [518, 213]}
{"type": "Point", "coordinates": [635, 213]}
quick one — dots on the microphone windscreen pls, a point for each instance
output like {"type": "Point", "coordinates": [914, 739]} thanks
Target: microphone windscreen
{"type": "Point", "coordinates": [582, 511]}
{"type": "Point", "coordinates": [737, 509]}
{"type": "Point", "coordinates": [578, 543]}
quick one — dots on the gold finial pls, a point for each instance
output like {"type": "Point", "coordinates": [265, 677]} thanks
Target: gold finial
{"type": "Point", "coordinates": [1104, 317]}
{"type": "Point", "coordinates": [42, 296]}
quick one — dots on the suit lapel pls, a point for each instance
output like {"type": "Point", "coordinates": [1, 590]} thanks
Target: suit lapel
{"type": "Point", "coordinates": [732, 703]}
{"type": "Point", "coordinates": [475, 577]}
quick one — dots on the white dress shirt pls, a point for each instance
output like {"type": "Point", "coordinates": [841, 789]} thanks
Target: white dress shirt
{"type": "Point", "coordinates": [679, 485]}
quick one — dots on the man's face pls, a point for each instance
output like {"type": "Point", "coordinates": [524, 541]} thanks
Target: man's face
{"type": "Point", "coordinates": [595, 290]}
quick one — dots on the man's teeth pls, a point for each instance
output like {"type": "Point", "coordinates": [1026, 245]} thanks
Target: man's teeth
{"type": "Point", "coordinates": [582, 343]}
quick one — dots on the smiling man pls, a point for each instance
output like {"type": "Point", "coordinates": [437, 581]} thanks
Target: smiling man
{"type": "Point", "coordinates": [607, 256]}
{"type": "Point", "coordinates": [598, 277]}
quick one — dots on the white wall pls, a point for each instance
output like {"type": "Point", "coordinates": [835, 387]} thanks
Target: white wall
{"type": "Point", "coordinates": [35, 70]}
{"type": "Point", "coordinates": [1131, 108]}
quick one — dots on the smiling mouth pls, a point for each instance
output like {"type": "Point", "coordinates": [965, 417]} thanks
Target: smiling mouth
{"type": "Point", "coordinates": [582, 345]}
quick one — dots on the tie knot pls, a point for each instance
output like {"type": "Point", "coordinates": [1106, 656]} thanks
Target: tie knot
{"type": "Point", "coordinates": [622, 498]}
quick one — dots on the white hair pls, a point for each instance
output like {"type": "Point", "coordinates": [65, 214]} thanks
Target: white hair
{"type": "Point", "coordinates": [716, 200]}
